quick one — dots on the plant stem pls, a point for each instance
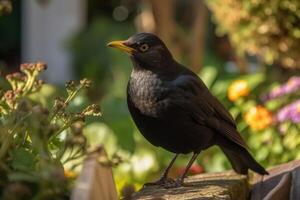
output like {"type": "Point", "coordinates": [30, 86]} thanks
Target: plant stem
{"type": "Point", "coordinates": [67, 101]}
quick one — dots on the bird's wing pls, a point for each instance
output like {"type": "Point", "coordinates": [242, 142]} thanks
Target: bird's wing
{"type": "Point", "coordinates": [194, 97]}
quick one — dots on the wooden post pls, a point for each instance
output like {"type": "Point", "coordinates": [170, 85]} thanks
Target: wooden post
{"type": "Point", "coordinates": [95, 181]}
{"type": "Point", "coordinates": [225, 186]}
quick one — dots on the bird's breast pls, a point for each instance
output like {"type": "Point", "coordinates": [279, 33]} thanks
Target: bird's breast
{"type": "Point", "coordinates": [146, 91]}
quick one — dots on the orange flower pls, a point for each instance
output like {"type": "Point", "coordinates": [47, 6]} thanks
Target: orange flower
{"type": "Point", "coordinates": [237, 89]}
{"type": "Point", "coordinates": [258, 118]}
{"type": "Point", "coordinates": [70, 174]}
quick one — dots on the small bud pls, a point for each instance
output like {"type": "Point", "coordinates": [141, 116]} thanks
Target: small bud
{"type": "Point", "coordinates": [85, 83]}
{"type": "Point", "coordinates": [64, 116]}
{"type": "Point", "coordinates": [16, 80]}
{"type": "Point", "coordinates": [11, 98]}
{"type": "Point", "coordinates": [59, 105]}
{"type": "Point", "coordinates": [30, 68]}
{"type": "Point", "coordinates": [37, 85]}
{"type": "Point", "coordinates": [14, 76]}
{"type": "Point", "coordinates": [27, 68]}
{"type": "Point", "coordinates": [9, 95]}
{"type": "Point", "coordinates": [116, 159]}
{"type": "Point", "coordinates": [40, 66]}
{"type": "Point", "coordinates": [92, 110]}
{"type": "Point", "coordinates": [70, 86]}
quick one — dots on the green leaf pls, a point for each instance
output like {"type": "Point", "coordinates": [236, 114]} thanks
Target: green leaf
{"type": "Point", "coordinates": [23, 176]}
{"type": "Point", "coordinates": [277, 148]}
{"type": "Point", "coordinates": [22, 160]}
{"type": "Point", "coordinates": [263, 154]}
{"type": "Point", "coordinates": [253, 79]}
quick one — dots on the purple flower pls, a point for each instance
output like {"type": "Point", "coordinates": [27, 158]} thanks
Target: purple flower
{"type": "Point", "coordinates": [290, 112]}
{"type": "Point", "coordinates": [292, 85]}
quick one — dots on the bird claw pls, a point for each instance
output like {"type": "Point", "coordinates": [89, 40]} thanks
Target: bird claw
{"type": "Point", "coordinates": [174, 183]}
{"type": "Point", "coordinates": [166, 183]}
{"type": "Point", "coordinates": [161, 182]}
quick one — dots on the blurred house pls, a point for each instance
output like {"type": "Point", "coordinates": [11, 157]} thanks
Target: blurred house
{"type": "Point", "coordinates": [46, 26]}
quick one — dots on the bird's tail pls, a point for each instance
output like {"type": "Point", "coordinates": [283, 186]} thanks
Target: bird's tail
{"type": "Point", "coordinates": [241, 160]}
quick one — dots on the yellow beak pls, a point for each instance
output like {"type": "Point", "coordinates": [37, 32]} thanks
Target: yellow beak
{"type": "Point", "coordinates": [120, 45]}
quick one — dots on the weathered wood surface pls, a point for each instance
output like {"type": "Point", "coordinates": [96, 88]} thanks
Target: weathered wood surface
{"type": "Point", "coordinates": [95, 181]}
{"type": "Point", "coordinates": [221, 186]}
{"type": "Point", "coordinates": [283, 183]}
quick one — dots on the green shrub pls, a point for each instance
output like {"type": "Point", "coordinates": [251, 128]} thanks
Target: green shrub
{"type": "Point", "coordinates": [36, 142]}
{"type": "Point", "coordinates": [269, 29]}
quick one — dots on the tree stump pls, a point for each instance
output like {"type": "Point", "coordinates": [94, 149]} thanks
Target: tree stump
{"type": "Point", "coordinates": [221, 186]}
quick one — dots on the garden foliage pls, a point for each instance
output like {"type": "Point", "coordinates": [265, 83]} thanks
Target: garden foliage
{"type": "Point", "coordinates": [268, 117]}
{"type": "Point", "coordinates": [269, 29]}
{"type": "Point", "coordinates": [39, 145]}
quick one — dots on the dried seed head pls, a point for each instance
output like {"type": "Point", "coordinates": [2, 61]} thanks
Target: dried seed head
{"type": "Point", "coordinates": [27, 67]}
{"type": "Point", "coordinates": [85, 83]}
{"type": "Point", "coordinates": [59, 104]}
{"type": "Point", "coordinates": [15, 76]}
{"type": "Point", "coordinates": [40, 66]}
{"type": "Point", "coordinates": [70, 86]}
{"type": "Point", "coordinates": [9, 95]}
{"type": "Point", "coordinates": [16, 80]}
{"type": "Point", "coordinates": [37, 85]}
{"type": "Point", "coordinates": [92, 110]}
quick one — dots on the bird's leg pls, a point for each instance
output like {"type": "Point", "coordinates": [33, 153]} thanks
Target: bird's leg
{"type": "Point", "coordinates": [179, 181]}
{"type": "Point", "coordinates": [164, 177]}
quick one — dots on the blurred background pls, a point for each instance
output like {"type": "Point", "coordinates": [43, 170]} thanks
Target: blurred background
{"type": "Point", "coordinates": [247, 53]}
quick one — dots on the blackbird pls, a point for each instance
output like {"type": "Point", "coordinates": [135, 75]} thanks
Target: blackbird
{"type": "Point", "coordinates": [173, 108]}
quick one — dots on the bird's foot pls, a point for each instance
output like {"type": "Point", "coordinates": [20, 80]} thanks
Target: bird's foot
{"type": "Point", "coordinates": [161, 182]}
{"type": "Point", "coordinates": [174, 184]}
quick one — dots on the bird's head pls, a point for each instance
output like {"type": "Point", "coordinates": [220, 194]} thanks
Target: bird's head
{"type": "Point", "coordinates": [146, 49]}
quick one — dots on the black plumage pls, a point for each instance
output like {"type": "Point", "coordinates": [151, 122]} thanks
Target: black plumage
{"type": "Point", "coordinates": [173, 108]}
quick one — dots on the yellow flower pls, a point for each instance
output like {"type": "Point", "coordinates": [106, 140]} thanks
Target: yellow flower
{"type": "Point", "coordinates": [258, 118]}
{"type": "Point", "coordinates": [237, 89]}
{"type": "Point", "coordinates": [70, 174]}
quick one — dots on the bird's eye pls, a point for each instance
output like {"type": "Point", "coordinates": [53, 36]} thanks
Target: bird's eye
{"type": "Point", "coordinates": [144, 47]}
